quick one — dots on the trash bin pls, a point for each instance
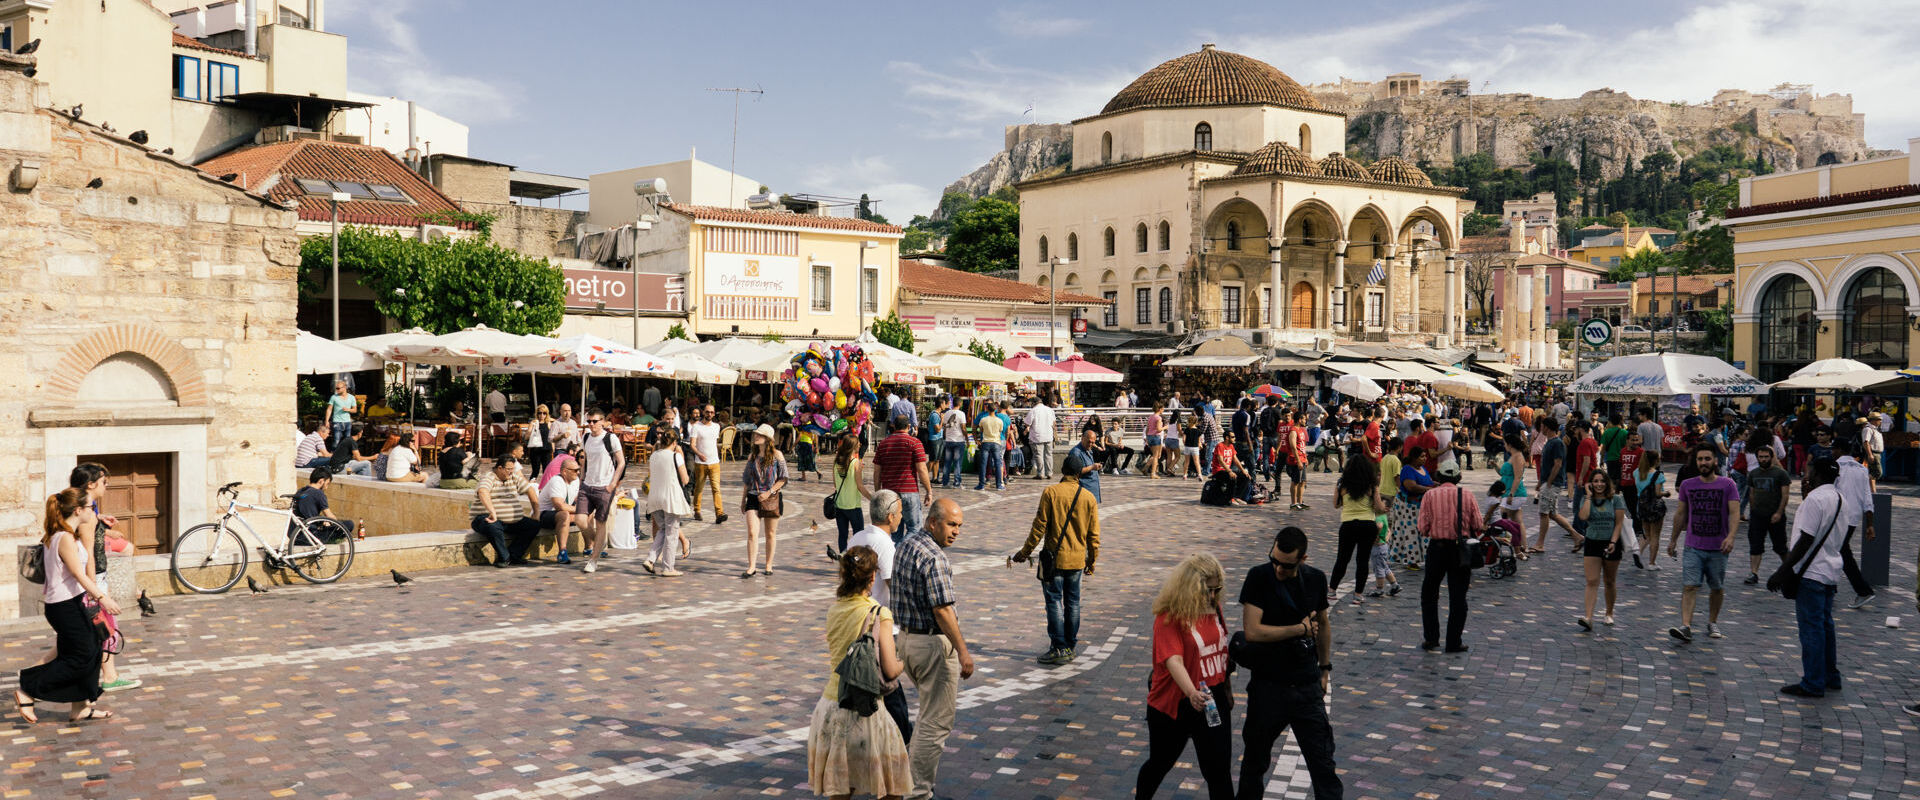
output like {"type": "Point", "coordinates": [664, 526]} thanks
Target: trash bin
{"type": "Point", "coordinates": [1876, 555]}
{"type": "Point", "coordinates": [620, 531]}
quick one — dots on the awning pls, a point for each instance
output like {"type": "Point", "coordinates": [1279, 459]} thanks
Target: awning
{"type": "Point", "coordinates": [1211, 361]}
{"type": "Point", "coordinates": [1415, 371]}
{"type": "Point", "coordinates": [1293, 363]}
{"type": "Point", "coordinates": [1142, 351]}
{"type": "Point", "coordinates": [1384, 370]}
{"type": "Point", "coordinates": [1494, 368]}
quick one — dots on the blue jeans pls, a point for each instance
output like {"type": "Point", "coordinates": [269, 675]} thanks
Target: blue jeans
{"type": "Point", "coordinates": [952, 463]}
{"type": "Point", "coordinates": [316, 461]}
{"type": "Point", "coordinates": [990, 465]}
{"type": "Point", "coordinates": [912, 516]}
{"type": "Point", "coordinates": [1819, 662]}
{"type": "Point", "coordinates": [1063, 608]}
{"type": "Point", "coordinates": [340, 432]}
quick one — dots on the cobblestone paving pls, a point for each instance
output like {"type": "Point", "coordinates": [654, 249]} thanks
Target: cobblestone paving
{"type": "Point", "coordinates": [546, 682]}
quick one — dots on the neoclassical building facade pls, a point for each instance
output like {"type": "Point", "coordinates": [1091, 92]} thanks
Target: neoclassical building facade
{"type": "Point", "coordinates": [1194, 202]}
{"type": "Point", "coordinates": [1825, 266]}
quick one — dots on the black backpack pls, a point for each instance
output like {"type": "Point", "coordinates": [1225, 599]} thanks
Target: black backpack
{"type": "Point", "coordinates": [1218, 490]}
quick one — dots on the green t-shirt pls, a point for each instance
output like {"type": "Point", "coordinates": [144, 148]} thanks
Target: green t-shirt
{"type": "Point", "coordinates": [1612, 440]}
{"type": "Point", "coordinates": [342, 405]}
{"type": "Point", "coordinates": [1767, 489]}
{"type": "Point", "coordinates": [1600, 518]}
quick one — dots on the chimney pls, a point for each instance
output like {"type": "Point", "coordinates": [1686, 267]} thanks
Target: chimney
{"type": "Point", "coordinates": [313, 14]}
{"type": "Point", "coordinates": [253, 28]}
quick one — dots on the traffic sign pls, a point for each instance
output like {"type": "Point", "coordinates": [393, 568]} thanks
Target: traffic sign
{"type": "Point", "coordinates": [1596, 332]}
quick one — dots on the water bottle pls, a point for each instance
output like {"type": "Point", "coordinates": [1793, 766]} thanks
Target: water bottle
{"type": "Point", "coordinates": [1213, 712]}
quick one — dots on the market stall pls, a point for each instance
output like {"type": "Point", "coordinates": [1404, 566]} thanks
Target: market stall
{"type": "Point", "coordinates": [1671, 381]}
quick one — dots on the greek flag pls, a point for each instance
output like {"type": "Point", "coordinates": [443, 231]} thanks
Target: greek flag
{"type": "Point", "coordinates": [1377, 274]}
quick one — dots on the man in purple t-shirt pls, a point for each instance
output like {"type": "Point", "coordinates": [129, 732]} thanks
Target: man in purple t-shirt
{"type": "Point", "coordinates": [1710, 517]}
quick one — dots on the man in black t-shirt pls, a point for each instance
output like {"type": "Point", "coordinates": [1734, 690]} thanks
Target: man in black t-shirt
{"type": "Point", "coordinates": [1269, 426]}
{"type": "Point", "coordinates": [1284, 609]}
{"type": "Point", "coordinates": [310, 504]}
{"type": "Point", "coordinates": [347, 458]}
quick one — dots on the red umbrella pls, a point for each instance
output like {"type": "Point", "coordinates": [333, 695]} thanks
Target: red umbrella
{"type": "Point", "coordinates": [1266, 389]}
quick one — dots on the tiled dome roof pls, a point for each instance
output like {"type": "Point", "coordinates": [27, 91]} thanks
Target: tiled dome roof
{"type": "Point", "coordinates": [1277, 158]}
{"type": "Point", "coordinates": [1336, 165]}
{"type": "Point", "coordinates": [1211, 78]}
{"type": "Point", "coordinates": [1394, 169]}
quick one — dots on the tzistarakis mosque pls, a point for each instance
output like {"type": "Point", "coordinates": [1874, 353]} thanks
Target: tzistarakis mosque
{"type": "Point", "coordinates": [1214, 192]}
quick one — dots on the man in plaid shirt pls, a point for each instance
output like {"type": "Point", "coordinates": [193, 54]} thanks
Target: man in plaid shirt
{"type": "Point", "coordinates": [928, 637]}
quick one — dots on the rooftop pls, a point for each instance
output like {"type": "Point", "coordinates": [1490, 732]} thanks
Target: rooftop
{"type": "Point", "coordinates": [1212, 77]}
{"type": "Point", "coordinates": [784, 219]}
{"type": "Point", "coordinates": [1689, 284]}
{"type": "Point", "coordinates": [384, 190]}
{"type": "Point", "coordinates": [928, 280]}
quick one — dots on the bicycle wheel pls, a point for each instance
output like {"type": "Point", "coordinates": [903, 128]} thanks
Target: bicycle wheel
{"type": "Point", "coordinates": [209, 559]}
{"type": "Point", "coordinates": [320, 550]}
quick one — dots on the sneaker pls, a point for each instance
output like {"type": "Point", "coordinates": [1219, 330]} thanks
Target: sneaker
{"type": "Point", "coordinates": [1713, 631]}
{"type": "Point", "coordinates": [1051, 657]}
{"type": "Point", "coordinates": [648, 566]}
{"type": "Point", "coordinates": [1376, 593]}
{"type": "Point", "coordinates": [590, 567]}
{"type": "Point", "coordinates": [1457, 648]}
{"type": "Point", "coordinates": [1683, 633]}
{"type": "Point", "coordinates": [1330, 595]}
{"type": "Point", "coordinates": [1357, 601]}
{"type": "Point", "coordinates": [563, 558]}
{"type": "Point", "coordinates": [120, 685]}
{"type": "Point", "coordinates": [1654, 567]}
{"type": "Point", "coordinates": [1861, 601]}
{"type": "Point", "coordinates": [605, 555]}
{"type": "Point", "coordinates": [1608, 620]}
{"type": "Point", "coordinates": [670, 573]}
{"type": "Point", "coordinates": [1069, 654]}
{"type": "Point", "coordinates": [1796, 690]}
{"type": "Point", "coordinates": [1912, 711]}
{"type": "Point", "coordinates": [1752, 579]}
{"type": "Point", "coordinates": [720, 520]}
{"type": "Point", "coordinates": [1636, 562]}
{"type": "Point", "coordinates": [1393, 590]}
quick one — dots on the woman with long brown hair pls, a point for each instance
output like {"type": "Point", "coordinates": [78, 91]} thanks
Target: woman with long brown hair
{"type": "Point", "coordinates": [1606, 517]}
{"type": "Point", "coordinates": [70, 595]}
{"type": "Point", "coordinates": [763, 478]}
{"type": "Point", "coordinates": [849, 492]}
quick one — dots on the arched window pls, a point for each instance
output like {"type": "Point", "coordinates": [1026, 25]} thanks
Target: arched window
{"type": "Point", "coordinates": [1142, 306]}
{"type": "Point", "coordinates": [1140, 238]}
{"type": "Point", "coordinates": [1166, 236]}
{"type": "Point", "coordinates": [1107, 240]}
{"type": "Point", "coordinates": [1876, 320]}
{"type": "Point", "coordinates": [1043, 249]}
{"type": "Point", "coordinates": [1233, 234]}
{"type": "Point", "coordinates": [1166, 304]}
{"type": "Point", "coordinates": [1203, 136]}
{"type": "Point", "coordinates": [1106, 148]}
{"type": "Point", "coordinates": [1787, 328]}
{"type": "Point", "coordinates": [1073, 247]}
{"type": "Point", "coordinates": [1306, 138]}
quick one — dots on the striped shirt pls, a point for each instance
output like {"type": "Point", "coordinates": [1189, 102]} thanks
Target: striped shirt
{"type": "Point", "coordinates": [506, 496]}
{"type": "Point", "coordinates": [308, 450]}
{"type": "Point", "coordinates": [1444, 509]}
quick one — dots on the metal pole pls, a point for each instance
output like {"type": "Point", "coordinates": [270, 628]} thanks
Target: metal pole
{"type": "Point", "coordinates": [1053, 309]}
{"type": "Point", "coordinates": [1674, 307]}
{"type": "Point", "coordinates": [860, 303]}
{"type": "Point", "coordinates": [336, 270]}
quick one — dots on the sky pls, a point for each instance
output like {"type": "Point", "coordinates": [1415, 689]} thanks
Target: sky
{"type": "Point", "coordinates": [897, 101]}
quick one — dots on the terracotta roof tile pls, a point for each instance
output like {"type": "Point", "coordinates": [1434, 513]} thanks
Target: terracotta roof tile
{"type": "Point", "coordinates": [928, 280]}
{"type": "Point", "coordinates": [785, 219]}
{"type": "Point", "coordinates": [1689, 284]}
{"type": "Point", "coordinates": [275, 168]}
{"type": "Point", "coordinates": [1212, 78]}
{"type": "Point", "coordinates": [181, 40]}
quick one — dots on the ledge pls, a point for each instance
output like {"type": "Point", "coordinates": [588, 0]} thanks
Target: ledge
{"type": "Point", "coordinates": [117, 417]}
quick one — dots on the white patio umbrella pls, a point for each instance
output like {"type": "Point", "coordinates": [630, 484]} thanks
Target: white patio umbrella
{"type": "Point", "coordinates": [587, 356]}
{"type": "Point", "coordinates": [1878, 381]}
{"type": "Point", "coordinates": [1665, 375]}
{"type": "Point", "coordinates": [476, 347]}
{"type": "Point", "coordinates": [1359, 386]}
{"type": "Point", "coordinates": [1830, 366]}
{"type": "Point", "coordinates": [872, 346]}
{"type": "Point", "coordinates": [688, 366]}
{"type": "Point", "coordinates": [317, 356]}
{"type": "Point", "coordinates": [377, 345]}
{"type": "Point", "coordinates": [961, 366]}
{"type": "Point", "coordinates": [735, 353]}
{"type": "Point", "coordinates": [1467, 387]}
{"type": "Point", "coordinates": [667, 347]}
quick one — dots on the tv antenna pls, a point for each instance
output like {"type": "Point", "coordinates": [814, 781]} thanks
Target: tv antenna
{"type": "Point", "coordinates": [733, 156]}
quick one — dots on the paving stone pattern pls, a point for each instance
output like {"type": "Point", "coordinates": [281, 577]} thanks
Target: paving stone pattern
{"type": "Point", "coordinates": [547, 682]}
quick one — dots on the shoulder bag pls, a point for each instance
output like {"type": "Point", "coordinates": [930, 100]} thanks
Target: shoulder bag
{"type": "Point", "coordinates": [1471, 549]}
{"type": "Point", "coordinates": [862, 683]}
{"type": "Point", "coordinates": [33, 563]}
{"type": "Point", "coordinates": [1786, 579]}
{"type": "Point", "coordinates": [774, 506]}
{"type": "Point", "coordinates": [1044, 561]}
{"type": "Point", "coordinates": [830, 505]}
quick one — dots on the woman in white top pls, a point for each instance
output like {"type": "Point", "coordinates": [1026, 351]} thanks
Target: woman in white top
{"type": "Point", "coordinates": [71, 595]}
{"type": "Point", "coordinates": [403, 464]}
{"type": "Point", "coordinates": [666, 503]}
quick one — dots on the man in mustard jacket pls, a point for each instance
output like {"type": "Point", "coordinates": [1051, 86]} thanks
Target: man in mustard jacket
{"type": "Point", "coordinates": [1067, 529]}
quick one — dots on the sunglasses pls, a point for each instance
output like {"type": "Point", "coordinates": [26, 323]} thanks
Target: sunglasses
{"type": "Point", "coordinates": [1286, 566]}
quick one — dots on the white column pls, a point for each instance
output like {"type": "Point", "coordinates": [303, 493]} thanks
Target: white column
{"type": "Point", "coordinates": [1450, 306]}
{"type": "Point", "coordinates": [1540, 318]}
{"type": "Point", "coordinates": [1281, 311]}
{"type": "Point", "coordinates": [1393, 265]}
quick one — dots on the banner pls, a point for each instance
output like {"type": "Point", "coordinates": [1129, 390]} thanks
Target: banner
{"type": "Point", "coordinates": [741, 275]}
{"type": "Point", "coordinates": [1029, 327]}
{"type": "Point", "coordinates": [613, 291]}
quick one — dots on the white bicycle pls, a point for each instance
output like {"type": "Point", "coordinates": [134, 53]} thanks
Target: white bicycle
{"type": "Point", "coordinates": [211, 557]}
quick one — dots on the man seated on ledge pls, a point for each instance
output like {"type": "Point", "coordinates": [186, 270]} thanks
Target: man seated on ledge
{"type": "Point", "coordinates": [499, 515]}
{"type": "Point", "coordinates": [559, 492]}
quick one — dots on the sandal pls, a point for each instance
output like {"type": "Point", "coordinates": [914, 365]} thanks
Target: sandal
{"type": "Point", "coordinates": [768, 572]}
{"type": "Point", "coordinates": [92, 713]}
{"type": "Point", "coordinates": [748, 574]}
{"type": "Point", "coordinates": [25, 709]}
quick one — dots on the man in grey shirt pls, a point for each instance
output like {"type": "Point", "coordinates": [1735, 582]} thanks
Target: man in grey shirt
{"type": "Point", "coordinates": [1651, 434]}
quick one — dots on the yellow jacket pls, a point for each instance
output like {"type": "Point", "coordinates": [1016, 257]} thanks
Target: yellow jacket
{"type": "Point", "coordinates": [1074, 538]}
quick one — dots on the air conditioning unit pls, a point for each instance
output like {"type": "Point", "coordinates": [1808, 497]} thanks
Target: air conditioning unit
{"type": "Point", "coordinates": [1176, 327]}
{"type": "Point", "coordinates": [223, 17]}
{"type": "Point", "coordinates": [433, 233]}
{"type": "Point", "coordinates": [1323, 344]}
{"type": "Point", "coordinates": [190, 23]}
{"type": "Point", "coordinates": [1259, 338]}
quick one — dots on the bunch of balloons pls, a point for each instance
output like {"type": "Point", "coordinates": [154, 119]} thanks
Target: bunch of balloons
{"type": "Point", "coordinates": [829, 389]}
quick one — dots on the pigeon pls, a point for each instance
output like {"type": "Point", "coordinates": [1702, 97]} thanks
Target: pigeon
{"type": "Point", "coordinates": [96, 183]}
{"type": "Point", "coordinates": [28, 48]}
{"type": "Point", "coordinates": [75, 111]}
{"type": "Point", "coordinates": [255, 586]}
{"type": "Point", "coordinates": [400, 579]}
{"type": "Point", "coordinates": [146, 606]}
{"type": "Point", "coordinates": [138, 137]}
{"type": "Point", "coordinates": [30, 71]}
{"type": "Point", "coordinates": [167, 152]}
{"type": "Point", "coordinates": [107, 126]}
{"type": "Point", "coordinates": [228, 178]}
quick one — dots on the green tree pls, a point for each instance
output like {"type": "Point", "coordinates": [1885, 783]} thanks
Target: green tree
{"type": "Point", "coordinates": [1478, 224]}
{"type": "Point", "coordinates": [678, 331]}
{"type": "Point", "coordinates": [1619, 219]}
{"type": "Point", "coordinates": [894, 332]}
{"type": "Point", "coordinates": [915, 239]}
{"type": "Point", "coordinates": [1007, 194]}
{"type": "Point", "coordinates": [865, 211]}
{"type": "Point", "coordinates": [1638, 263]}
{"type": "Point", "coordinates": [986, 351]}
{"type": "Point", "coordinates": [986, 236]}
{"type": "Point", "coordinates": [441, 286]}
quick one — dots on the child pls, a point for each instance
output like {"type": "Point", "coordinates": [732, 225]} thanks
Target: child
{"type": "Point", "coordinates": [1382, 567]}
{"type": "Point", "coordinates": [807, 459]}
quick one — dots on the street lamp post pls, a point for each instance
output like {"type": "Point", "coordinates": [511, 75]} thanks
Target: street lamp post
{"type": "Point", "coordinates": [861, 302]}
{"type": "Point", "coordinates": [337, 199]}
{"type": "Point", "coordinates": [1053, 306]}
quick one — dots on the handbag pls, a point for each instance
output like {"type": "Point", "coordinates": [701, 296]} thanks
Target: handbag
{"type": "Point", "coordinates": [862, 684]}
{"type": "Point", "coordinates": [104, 626]}
{"type": "Point", "coordinates": [1472, 554]}
{"type": "Point", "coordinates": [33, 563]}
{"type": "Point", "coordinates": [1786, 579]}
{"type": "Point", "coordinates": [830, 505]}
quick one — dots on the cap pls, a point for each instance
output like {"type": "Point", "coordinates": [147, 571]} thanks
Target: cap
{"type": "Point", "coordinates": [1449, 470]}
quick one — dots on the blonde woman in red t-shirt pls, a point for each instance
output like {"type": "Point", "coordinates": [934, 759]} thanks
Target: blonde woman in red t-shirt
{"type": "Point", "coordinates": [1189, 675]}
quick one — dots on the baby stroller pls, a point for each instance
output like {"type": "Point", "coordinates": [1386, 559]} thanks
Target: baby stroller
{"type": "Point", "coordinates": [1498, 542]}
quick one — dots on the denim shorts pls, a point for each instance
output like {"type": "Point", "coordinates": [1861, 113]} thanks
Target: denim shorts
{"type": "Point", "coordinates": [1153, 441]}
{"type": "Point", "coordinates": [1697, 564]}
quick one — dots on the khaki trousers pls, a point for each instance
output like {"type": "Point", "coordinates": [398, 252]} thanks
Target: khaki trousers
{"type": "Point", "coordinates": [705, 475]}
{"type": "Point", "coordinates": [934, 666]}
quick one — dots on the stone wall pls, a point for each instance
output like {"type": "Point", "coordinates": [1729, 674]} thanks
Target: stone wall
{"type": "Point", "coordinates": [193, 277]}
{"type": "Point", "coordinates": [531, 230]}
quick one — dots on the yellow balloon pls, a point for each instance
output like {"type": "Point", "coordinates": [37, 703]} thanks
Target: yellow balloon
{"type": "Point", "coordinates": [840, 400]}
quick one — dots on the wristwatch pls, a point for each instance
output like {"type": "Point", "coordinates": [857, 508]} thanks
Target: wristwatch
{"type": "Point", "coordinates": [1326, 667]}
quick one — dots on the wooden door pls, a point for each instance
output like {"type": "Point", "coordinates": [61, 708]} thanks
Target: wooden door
{"type": "Point", "coordinates": [1300, 315]}
{"type": "Point", "coordinates": [140, 494]}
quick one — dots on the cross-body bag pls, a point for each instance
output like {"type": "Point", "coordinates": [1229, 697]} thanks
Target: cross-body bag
{"type": "Point", "coordinates": [1044, 569]}
{"type": "Point", "coordinates": [1471, 549]}
{"type": "Point", "coordinates": [862, 683]}
{"type": "Point", "coordinates": [1786, 579]}
{"type": "Point", "coordinates": [830, 505]}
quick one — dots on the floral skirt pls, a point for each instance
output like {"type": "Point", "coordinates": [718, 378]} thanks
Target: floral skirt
{"type": "Point", "coordinates": [851, 754]}
{"type": "Point", "coordinates": [1404, 545]}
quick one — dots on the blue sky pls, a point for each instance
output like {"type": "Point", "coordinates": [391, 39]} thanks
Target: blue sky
{"type": "Point", "coordinates": [899, 100]}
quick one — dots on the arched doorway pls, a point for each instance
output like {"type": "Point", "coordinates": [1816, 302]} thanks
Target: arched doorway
{"type": "Point", "coordinates": [1787, 328]}
{"type": "Point", "coordinates": [1875, 326]}
{"type": "Point", "coordinates": [1300, 305]}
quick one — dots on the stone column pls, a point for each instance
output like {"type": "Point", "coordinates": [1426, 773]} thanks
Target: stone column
{"type": "Point", "coordinates": [1540, 319]}
{"type": "Point", "coordinates": [1510, 296]}
{"type": "Point", "coordinates": [1413, 288]}
{"type": "Point", "coordinates": [1281, 312]}
{"type": "Point", "coordinates": [1392, 261]}
{"type": "Point", "coordinates": [1336, 281]}
{"type": "Point", "coordinates": [1451, 305]}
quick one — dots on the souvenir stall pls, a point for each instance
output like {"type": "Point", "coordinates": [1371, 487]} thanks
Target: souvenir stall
{"type": "Point", "coordinates": [1674, 382]}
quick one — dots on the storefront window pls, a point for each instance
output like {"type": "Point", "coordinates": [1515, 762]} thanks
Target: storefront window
{"type": "Point", "coordinates": [1876, 320]}
{"type": "Point", "coordinates": [1787, 328]}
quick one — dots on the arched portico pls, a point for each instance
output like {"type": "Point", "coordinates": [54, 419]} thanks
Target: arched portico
{"type": "Point", "coordinates": [1756, 285]}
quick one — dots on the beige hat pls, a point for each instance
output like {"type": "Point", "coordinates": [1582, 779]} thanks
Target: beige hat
{"type": "Point", "coordinates": [767, 431]}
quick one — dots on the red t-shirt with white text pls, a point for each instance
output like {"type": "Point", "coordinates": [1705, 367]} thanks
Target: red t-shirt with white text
{"type": "Point", "coordinates": [1202, 649]}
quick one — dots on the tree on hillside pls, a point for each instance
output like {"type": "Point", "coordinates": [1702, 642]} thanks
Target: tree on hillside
{"type": "Point", "coordinates": [986, 236]}
{"type": "Point", "coordinates": [1638, 263]}
{"type": "Point", "coordinates": [1709, 249]}
{"type": "Point", "coordinates": [1478, 224]}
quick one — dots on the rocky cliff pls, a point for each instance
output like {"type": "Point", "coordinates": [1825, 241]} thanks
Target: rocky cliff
{"type": "Point", "coordinates": [1030, 150]}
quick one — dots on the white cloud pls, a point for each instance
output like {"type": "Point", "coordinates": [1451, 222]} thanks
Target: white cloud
{"type": "Point", "coordinates": [1020, 23]}
{"type": "Point", "coordinates": [394, 64]}
{"type": "Point", "coordinates": [897, 198]}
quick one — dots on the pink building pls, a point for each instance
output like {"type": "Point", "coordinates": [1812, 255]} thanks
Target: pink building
{"type": "Point", "coordinates": [1570, 285]}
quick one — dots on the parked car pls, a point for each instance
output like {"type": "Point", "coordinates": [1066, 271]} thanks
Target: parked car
{"type": "Point", "coordinates": [1628, 330]}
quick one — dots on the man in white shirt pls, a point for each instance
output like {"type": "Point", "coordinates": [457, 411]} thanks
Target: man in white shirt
{"type": "Point", "coordinates": [604, 458]}
{"type": "Point", "coordinates": [557, 499]}
{"type": "Point", "coordinates": [1826, 512]}
{"type": "Point", "coordinates": [565, 430]}
{"type": "Point", "coordinates": [883, 519]}
{"type": "Point", "coordinates": [1854, 483]}
{"type": "Point", "coordinates": [1873, 445]}
{"type": "Point", "coordinates": [954, 440]}
{"type": "Point", "coordinates": [1040, 433]}
{"type": "Point", "coordinates": [497, 406]}
{"type": "Point", "coordinates": [704, 434]}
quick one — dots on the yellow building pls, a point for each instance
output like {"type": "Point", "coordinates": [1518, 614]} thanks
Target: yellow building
{"type": "Point", "coordinates": [1824, 265]}
{"type": "Point", "coordinates": [1609, 250]}
{"type": "Point", "coordinates": [1213, 193]}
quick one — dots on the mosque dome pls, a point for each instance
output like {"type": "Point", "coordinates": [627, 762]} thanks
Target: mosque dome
{"type": "Point", "coordinates": [1336, 165]}
{"type": "Point", "coordinates": [1277, 158]}
{"type": "Point", "coordinates": [1394, 169]}
{"type": "Point", "coordinates": [1212, 77]}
